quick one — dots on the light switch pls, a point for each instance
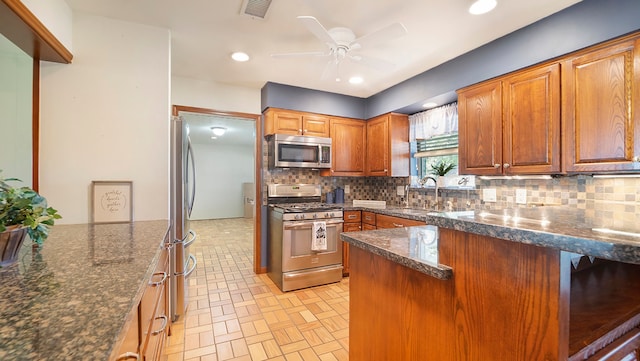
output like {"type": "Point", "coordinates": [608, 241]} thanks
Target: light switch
{"type": "Point", "coordinates": [521, 196]}
{"type": "Point", "coordinates": [400, 190]}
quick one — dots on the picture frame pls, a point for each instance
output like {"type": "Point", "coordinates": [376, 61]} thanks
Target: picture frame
{"type": "Point", "coordinates": [112, 201]}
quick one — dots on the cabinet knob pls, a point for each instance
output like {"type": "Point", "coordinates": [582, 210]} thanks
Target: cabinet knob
{"type": "Point", "coordinates": [506, 165]}
{"type": "Point", "coordinates": [497, 165]}
{"type": "Point", "coordinates": [300, 131]}
{"type": "Point", "coordinates": [636, 159]}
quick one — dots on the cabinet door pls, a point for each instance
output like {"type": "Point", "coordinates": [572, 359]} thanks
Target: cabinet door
{"type": "Point", "coordinates": [480, 129]}
{"type": "Point", "coordinates": [531, 127]}
{"type": "Point", "coordinates": [601, 109]}
{"type": "Point", "coordinates": [315, 125]}
{"type": "Point", "coordinates": [378, 151]}
{"type": "Point", "coordinates": [287, 123]}
{"type": "Point", "coordinates": [348, 139]}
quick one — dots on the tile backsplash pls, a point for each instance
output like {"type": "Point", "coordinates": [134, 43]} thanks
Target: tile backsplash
{"type": "Point", "coordinates": [620, 194]}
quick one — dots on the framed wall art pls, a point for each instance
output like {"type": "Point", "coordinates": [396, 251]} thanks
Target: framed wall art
{"type": "Point", "coordinates": [112, 201]}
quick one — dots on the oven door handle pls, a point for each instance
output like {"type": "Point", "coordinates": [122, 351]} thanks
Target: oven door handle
{"type": "Point", "coordinates": [298, 224]}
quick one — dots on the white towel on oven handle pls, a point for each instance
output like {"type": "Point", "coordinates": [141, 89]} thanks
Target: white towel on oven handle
{"type": "Point", "coordinates": [319, 236]}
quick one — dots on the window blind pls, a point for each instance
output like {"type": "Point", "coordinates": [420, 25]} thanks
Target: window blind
{"type": "Point", "coordinates": [437, 146]}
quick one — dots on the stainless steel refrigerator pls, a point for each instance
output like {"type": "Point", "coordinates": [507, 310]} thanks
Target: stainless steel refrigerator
{"type": "Point", "coordinates": [183, 189]}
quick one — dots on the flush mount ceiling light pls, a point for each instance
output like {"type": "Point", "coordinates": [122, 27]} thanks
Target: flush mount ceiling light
{"type": "Point", "coordinates": [218, 131]}
{"type": "Point", "coordinates": [356, 80]}
{"type": "Point", "coordinates": [429, 105]}
{"type": "Point", "coordinates": [240, 56]}
{"type": "Point", "coordinates": [482, 6]}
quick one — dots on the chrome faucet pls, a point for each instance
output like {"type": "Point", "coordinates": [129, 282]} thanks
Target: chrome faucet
{"type": "Point", "coordinates": [424, 181]}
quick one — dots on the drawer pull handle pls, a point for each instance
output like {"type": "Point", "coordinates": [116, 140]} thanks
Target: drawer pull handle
{"type": "Point", "coordinates": [352, 216]}
{"type": "Point", "coordinates": [164, 325]}
{"type": "Point", "coordinates": [161, 282]}
{"type": "Point", "coordinates": [398, 225]}
{"type": "Point", "coordinates": [127, 356]}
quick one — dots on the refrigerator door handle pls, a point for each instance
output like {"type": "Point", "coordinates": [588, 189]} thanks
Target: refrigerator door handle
{"type": "Point", "coordinates": [191, 258]}
{"type": "Point", "coordinates": [193, 235]}
{"type": "Point", "coordinates": [191, 160]}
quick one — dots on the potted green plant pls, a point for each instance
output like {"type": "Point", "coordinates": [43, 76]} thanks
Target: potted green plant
{"type": "Point", "coordinates": [442, 167]}
{"type": "Point", "coordinates": [22, 211]}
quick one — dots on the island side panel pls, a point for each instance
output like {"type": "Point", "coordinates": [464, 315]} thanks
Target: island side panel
{"type": "Point", "coordinates": [396, 313]}
{"type": "Point", "coordinates": [510, 298]}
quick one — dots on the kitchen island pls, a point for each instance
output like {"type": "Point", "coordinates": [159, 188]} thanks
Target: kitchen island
{"type": "Point", "coordinates": [550, 283]}
{"type": "Point", "coordinates": [70, 299]}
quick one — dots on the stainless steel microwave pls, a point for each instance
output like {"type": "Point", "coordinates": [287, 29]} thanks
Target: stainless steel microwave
{"type": "Point", "coordinates": [294, 151]}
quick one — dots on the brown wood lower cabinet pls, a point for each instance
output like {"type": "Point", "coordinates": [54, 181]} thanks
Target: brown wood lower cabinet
{"type": "Point", "coordinates": [352, 223]}
{"type": "Point", "coordinates": [506, 301]}
{"type": "Point", "coordinates": [146, 331]}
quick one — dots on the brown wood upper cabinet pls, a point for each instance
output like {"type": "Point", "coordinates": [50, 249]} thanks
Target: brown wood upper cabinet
{"type": "Point", "coordinates": [295, 123]}
{"type": "Point", "coordinates": [388, 146]}
{"type": "Point", "coordinates": [511, 125]}
{"type": "Point", "coordinates": [601, 109]}
{"type": "Point", "coordinates": [349, 141]}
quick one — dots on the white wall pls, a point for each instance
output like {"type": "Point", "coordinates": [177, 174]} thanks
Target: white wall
{"type": "Point", "coordinates": [16, 74]}
{"type": "Point", "coordinates": [56, 16]}
{"type": "Point", "coordinates": [106, 117]}
{"type": "Point", "coordinates": [210, 95]}
{"type": "Point", "coordinates": [221, 170]}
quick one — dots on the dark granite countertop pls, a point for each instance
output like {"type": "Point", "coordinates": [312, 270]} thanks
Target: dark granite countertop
{"type": "Point", "coordinates": [70, 299]}
{"type": "Point", "coordinates": [596, 232]}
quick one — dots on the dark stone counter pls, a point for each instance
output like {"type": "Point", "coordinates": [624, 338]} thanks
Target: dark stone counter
{"type": "Point", "coordinates": [592, 232]}
{"type": "Point", "coordinates": [70, 299]}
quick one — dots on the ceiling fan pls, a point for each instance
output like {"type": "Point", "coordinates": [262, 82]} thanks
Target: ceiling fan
{"type": "Point", "coordinates": [342, 42]}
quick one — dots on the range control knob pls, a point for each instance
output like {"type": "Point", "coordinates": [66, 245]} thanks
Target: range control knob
{"type": "Point", "coordinates": [299, 216]}
{"type": "Point", "coordinates": [328, 215]}
{"type": "Point", "coordinates": [315, 215]}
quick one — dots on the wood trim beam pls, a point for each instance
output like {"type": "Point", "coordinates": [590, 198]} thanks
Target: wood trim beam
{"type": "Point", "coordinates": [23, 28]}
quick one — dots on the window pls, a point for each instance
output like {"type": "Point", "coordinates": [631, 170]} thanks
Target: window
{"type": "Point", "coordinates": [441, 148]}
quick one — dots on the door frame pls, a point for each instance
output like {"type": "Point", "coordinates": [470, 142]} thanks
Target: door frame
{"type": "Point", "coordinates": [257, 221]}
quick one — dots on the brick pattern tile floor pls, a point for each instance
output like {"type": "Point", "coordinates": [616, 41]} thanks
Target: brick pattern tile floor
{"type": "Point", "coordinates": [235, 314]}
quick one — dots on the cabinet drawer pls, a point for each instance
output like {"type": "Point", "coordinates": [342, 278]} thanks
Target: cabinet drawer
{"type": "Point", "coordinates": [351, 227]}
{"type": "Point", "coordinates": [351, 216]}
{"type": "Point", "coordinates": [384, 221]}
{"type": "Point", "coordinates": [625, 348]}
{"type": "Point", "coordinates": [369, 218]}
{"type": "Point", "coordinates": [368, 227]}
{"type": "Point", "coordinates": [153, 304]}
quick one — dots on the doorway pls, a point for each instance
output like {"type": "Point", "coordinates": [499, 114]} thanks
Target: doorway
{"type": "Point", "coordinates": [221, 160]}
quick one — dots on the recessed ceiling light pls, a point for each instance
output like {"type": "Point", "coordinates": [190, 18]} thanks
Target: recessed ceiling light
{"type": "Point", "coordinates": [429, 105]}
{"type": "Point", "coordinates": [355, 80]}
{"type": "Point", "coordinates": [482, 6]}
{"type": "Point", "coordinates": [240, 56]}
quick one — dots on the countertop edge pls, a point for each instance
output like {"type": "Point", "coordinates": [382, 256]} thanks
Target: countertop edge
{"type": "Point", "coordinates": [439, 271]}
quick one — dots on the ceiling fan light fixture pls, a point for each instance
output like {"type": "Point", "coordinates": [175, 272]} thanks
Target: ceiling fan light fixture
{"type": "Point", "coordinates": [218, 131]}
{"type": "Point", "coordinates": [480, 7]}
{"type": "Point", "coordinates": [240, 56]}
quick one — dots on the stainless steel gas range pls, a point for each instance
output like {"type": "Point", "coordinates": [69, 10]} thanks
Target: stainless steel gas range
{"type": "Point", "coordinates": [305, 248]}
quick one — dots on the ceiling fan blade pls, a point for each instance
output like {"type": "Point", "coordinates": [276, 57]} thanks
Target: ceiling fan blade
{"type": "Point", "coordinates": [314, 26]}
{"type": "Point", "coordinates": [297, 54]}
{"type": "Point", "coordinates": [389, 32]}
{"type": "Point", "coordinates": [376, 63]}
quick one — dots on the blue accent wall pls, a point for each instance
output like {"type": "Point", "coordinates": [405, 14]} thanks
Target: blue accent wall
{"type": "Point", "coordinates": [586, 23]}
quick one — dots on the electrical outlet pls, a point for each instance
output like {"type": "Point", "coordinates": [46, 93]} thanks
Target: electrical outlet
{"type": "Point", "coordinates": [400, 190]}
{"type": "Point", "coordinates": [521, 196]}
{"type": "Point", "coordinates": [347, 189]}
{"type": "Point", "coordinates": [489, 195]}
